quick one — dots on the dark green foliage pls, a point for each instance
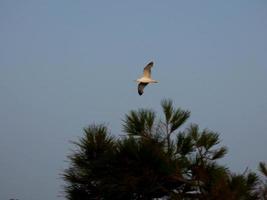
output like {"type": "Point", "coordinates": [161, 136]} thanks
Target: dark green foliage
{"type": "Point", "coordinates": [262, 189]}
{"type": "Point", "coordinates": [243, 186]}
{"type": "Point", "coordinates": [174, 118]}
{"type": "Point", "coordinates": [149, 163]}
{"type": "Point", "coordinates": [139, 123]}
{"type": "Point", "coordinates": [90, 163]}
{"type": "Point", "coordinates": [263, 168]}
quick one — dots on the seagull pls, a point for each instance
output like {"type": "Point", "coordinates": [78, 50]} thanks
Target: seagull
{"type": "Point", "coordinates": [145, 79]}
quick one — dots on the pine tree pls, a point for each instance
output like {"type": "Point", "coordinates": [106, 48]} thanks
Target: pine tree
{"type": "Point", "coordinates": [155, 159]}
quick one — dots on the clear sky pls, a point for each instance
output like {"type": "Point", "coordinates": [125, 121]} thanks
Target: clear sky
{"type": "Point", "coordinates": [67, 64]}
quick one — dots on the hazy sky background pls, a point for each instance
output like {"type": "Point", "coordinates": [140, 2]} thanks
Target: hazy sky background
{"type": "Point", "coordinates": [67, 64]}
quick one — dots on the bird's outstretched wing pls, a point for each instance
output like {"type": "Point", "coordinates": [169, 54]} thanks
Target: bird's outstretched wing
{"type": "Point", "coordinates": [141, 87]}
{"type": "Point", "coordinates": [147, 70]}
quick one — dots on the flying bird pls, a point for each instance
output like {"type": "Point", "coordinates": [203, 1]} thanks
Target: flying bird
{"type": "Point", "coordinates": [145, 79]}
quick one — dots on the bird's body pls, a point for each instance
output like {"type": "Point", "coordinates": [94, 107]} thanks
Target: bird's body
{"type": "Point", "coordinates": [145, 79]}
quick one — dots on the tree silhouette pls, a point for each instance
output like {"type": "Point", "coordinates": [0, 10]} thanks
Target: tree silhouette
{"type": "Point", "coordinates": [262, 190]}
{"type": "Point", "coordinates": [155, 159]}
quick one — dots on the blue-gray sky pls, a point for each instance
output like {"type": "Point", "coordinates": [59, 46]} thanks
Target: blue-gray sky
{"type": "Point", "coordinates": [67, 64]}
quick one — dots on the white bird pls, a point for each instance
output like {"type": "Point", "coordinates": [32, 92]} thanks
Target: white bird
{"type": "Point", "coordinates": [145, 79]}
